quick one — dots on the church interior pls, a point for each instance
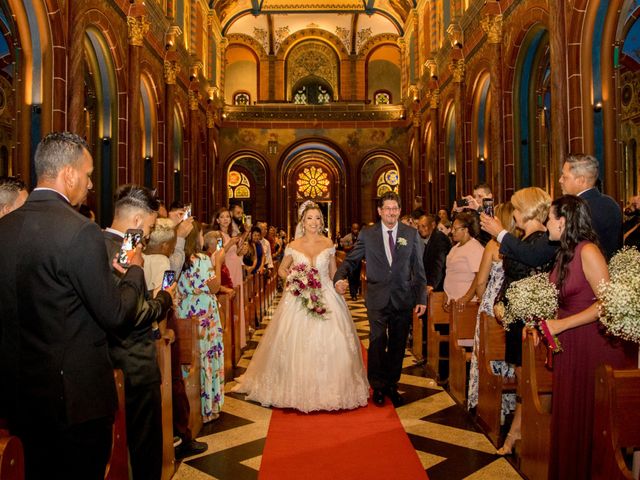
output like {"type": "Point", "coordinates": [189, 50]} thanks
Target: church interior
{"type": "Point", "coordinates": [268, 103]}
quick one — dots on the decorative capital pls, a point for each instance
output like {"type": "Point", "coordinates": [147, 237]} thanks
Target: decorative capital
{"type": "Point", "coordinates": [457, 70]}
{"type": "Point", "coordinates": [138, 28]}
{"type": "Point", "coordinates": [195, 68]}
{"type": "Point", "coordinates": [211, 19]}
{"type": "Point", "coordinates": [456, 36]}
{"type": "Point", "coordinates": [402, 43]}
{"type": "Point", "coordinates": [211, 118]}
{"type": "Point", "coordinates": [194, 100]}
{"type": "Point", "coordinates": [171, 70]}
{"type": "Point", "coordinates": [170, 38]}
{"type": "Point", "coordinates": [435, 98]}
{"type": "Point", "coordinates": [492, 26]}
{"type": "Point", "coordinates": [432, 66]}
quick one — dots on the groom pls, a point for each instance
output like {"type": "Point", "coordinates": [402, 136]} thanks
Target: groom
{"type": "Point", "coordinates": [396, 283]}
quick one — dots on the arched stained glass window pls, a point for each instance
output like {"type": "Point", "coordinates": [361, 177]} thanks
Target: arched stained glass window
{"type": "Point", "coordinates": [388, 181]}
{"type": "Point", "coordinates": [239, 185]}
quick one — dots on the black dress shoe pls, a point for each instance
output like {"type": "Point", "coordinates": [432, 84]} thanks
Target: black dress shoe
{"type": "Point", "coordinates": [395, 397]}
{"type": "Point", "coordinates": [378, 397]}
{"type": "Point", "coordinates": [190, 448]}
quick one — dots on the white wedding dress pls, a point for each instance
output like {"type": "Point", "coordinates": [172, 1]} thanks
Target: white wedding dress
{"type": "Point", "coordinates": [305, 362]}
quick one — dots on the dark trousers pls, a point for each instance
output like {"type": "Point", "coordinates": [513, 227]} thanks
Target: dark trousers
{"type": "Point", "coordinates": [79, 451]}
{"type": "Point", "coordinates": [354, 281]}
{"type": "Point", "coordinates": [387, 343]}
{"type": "Point", "coordinates": [144, 430]}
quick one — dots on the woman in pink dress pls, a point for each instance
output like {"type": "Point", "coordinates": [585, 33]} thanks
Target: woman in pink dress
{"type": "Point", "coordinates": [233, 247]}
{"type": "Point", "coordinates": [580, 267]}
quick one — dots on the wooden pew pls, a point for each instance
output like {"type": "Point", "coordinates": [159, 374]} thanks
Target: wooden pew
{"type": "Point", "coordinates": [11, 456]}
{"type": "Point", "coordinates": [616, 422]}
{"type": "Point", "coordinates": [416, 344]}
{"type": "Point", "coordinates": [118, 466]}
{"type": "Point", "coordinates": [536, 419]}
{"type": "Point", "coordinates": [188, 348]}
{"type": "Point", "coordinates": [435, 316]}
{"type": "Point", "coordinates": [363, 279]}
{"type": "Point", "coordinates": [163, 347]}
{"type": "Point", "coordinates": [249, 307]}
{"type": "Point", "coordinates": [226, 318]}
{"type": "Point", "coordinates": [236, 353]}
{"type": "Point", "coordinates": [491, 347]}
{"type": "Point", "coordinates": [462, 325]}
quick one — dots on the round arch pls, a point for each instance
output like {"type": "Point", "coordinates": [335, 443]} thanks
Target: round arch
{"type": "Point", "coordinates": [257, 166]}
{"type": "Point", "coordinates": [374, 163]}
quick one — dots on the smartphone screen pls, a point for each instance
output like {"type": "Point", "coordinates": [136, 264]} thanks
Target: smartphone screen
{"type": "Point", "coordinates": [168, 279]}
{"type": "Point", "coordinates": [487, 206]}
{"type": "Point", "coordinates": [187, 211]}
{"type": "Point", "coordinates": [248, 220]}
{"type": "Point", "coordinates": [219, 244]}
{"type": "Point", "coordinates": [129, 243]}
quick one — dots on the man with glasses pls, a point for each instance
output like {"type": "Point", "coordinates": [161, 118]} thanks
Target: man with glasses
{"type": "Point", "coordinates": [396, 285]}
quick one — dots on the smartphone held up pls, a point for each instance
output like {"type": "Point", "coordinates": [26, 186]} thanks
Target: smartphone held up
{"type": "Point", "coordinates": [131, 239]}
{"type": "Point", "coordinates": [168, 279]}
{"type": "Point", "coordinates": [487, 206]}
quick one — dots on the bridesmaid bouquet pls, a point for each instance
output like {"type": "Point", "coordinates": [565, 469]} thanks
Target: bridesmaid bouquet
{"type": "Point", "coordinates": [303, 282]}
{"type": "Point", "coordinates": [533, 300]}
{"type": "Point", "coordinates": [619, 309]}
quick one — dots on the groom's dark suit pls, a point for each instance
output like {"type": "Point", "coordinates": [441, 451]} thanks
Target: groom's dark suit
{"type": "Point", "coordinates": [392, 292]}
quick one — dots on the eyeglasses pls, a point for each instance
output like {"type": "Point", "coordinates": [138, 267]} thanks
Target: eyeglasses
{"type": "Point", "coordinates": [390, 209]}
{"type": "Point", "coordinates": [455, 229]}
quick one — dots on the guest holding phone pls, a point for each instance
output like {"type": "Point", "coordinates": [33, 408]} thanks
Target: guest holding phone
{"type": "Point", "coordinates": [157, 252]}
{"type": "Point", "coordinates": [135, 352]}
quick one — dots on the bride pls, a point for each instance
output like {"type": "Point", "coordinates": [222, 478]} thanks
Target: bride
{"type": "Point", "coordinates": [305, 361]}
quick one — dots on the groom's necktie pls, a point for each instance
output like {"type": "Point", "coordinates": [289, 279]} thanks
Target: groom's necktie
{"type": "Point", "coordinates": [392, 244]}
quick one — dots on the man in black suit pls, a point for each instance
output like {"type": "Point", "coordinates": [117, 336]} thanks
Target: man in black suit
{"type": "Point", "coordinates": [579, 177]}
{"type": "Point", "coordinates": [436, 248]}
{"type": "Point", "coordinates": [135, 354]}
{"type": "Point", "coordinates": [57, 300]}
{"type": "Point", "coordinates": [395, 285]}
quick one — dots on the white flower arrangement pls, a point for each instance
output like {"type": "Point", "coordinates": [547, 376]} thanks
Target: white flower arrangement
{"type": "Point", "coordinates": [402, 241]}
{"type": "Point", "coordinates": [533, 300]}
{"type": "Point", "coordinates": [619, 308]}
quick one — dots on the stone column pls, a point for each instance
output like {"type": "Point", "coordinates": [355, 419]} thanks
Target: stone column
{"type": "Point", "coordinates": [212, 192]}
{"type": "Point", "coordinates": [492, 25]}
{"type": "Point", "coordinates": [457, 68]}
{"type": "Point", "coordinates": [75, 80]}
{"type": "Point", "coordinates": [435, 168]}
{"type": "Point", "coordinates": [171, 70]}
{"type": "Point", "coordinates": [193, 167]}
{"type": "Point", "coordinates": [138, 27]}
{"type": "Point", "coordinates": [558, 82]}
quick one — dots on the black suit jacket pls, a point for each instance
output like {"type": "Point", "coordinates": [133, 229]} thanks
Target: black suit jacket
{"type": "Point", "coordinates": [606, 217]}
{"type": "Point", "coordinates": [435, 259]}
{"type": "Point", "coordinates": [403, 283]}
{"type": "Point", "coordinates": [57, 300]}
{"type": "Point", "coordinates": [135, 353]}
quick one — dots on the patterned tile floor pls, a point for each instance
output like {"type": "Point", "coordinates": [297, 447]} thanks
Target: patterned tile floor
{"type": "Point", "coordinates": [446, 439]}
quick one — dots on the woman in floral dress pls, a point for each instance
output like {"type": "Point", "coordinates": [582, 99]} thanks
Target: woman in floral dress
{"type": "Point", "coordinates": [196, 289]}
{"type": "Point", "coordinates": [486, 286]}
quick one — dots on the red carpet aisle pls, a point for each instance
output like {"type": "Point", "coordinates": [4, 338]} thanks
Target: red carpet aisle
{"type": "Point", "coordinates": [366, 443]}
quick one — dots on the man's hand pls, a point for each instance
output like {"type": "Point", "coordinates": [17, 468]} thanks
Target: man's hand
{"type": "Point", "coordinates": [490, 225]}
{"type": "Point", "coordinates": [420, 309]}
{"type": "Point", "coordinates": [176, 216]}
{"type": "Point", "coordinates": [184, 228]}
{"type": "Point", "coordinates": [341, 286]}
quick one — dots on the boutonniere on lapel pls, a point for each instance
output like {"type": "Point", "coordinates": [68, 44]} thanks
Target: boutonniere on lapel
{"type": "Point", "coordinates": [402, 241]}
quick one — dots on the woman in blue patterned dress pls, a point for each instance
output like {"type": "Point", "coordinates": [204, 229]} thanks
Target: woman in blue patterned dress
{"type": "Point", "coordinates": [486, 286]}
{"type": "Point", "coordinates": [196, 289]}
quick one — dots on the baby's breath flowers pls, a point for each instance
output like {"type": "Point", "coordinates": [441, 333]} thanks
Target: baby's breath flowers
{"type": "Point", "coordinates": [533, 300]}
{"type": "Point", "coordinates": [619, 309]}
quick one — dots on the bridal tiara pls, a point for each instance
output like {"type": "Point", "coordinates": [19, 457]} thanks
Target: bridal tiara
{"type": "Point", "coordinates": [306, 204]}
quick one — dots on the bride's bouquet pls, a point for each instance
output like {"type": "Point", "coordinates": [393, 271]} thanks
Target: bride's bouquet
{"type": "Point", "coordinates": [619, 308]}
{"type": "Point", "coordinates": [533, 300]}
{"type": "Point", "coordinates": [303, 282]}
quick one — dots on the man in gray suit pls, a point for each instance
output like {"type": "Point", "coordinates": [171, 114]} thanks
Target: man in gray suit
{"type": "Point", "coordinates": [396, 284]}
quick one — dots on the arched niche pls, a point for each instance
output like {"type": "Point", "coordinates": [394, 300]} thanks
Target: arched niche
{"type": "Point", "coordinates": [101, 121]}
{"type": "Point", "coordinates": [241, 72]}
{"type": "Point", "coordinates": [312, 61]}
{"type": "Point", "coordinates": [376, 176]}
{"type": "Point", "coordinates": [383, 72]}
{"type": "Point", "coordinates": [177, 153]}
{"type": "Point", "coordinates": [148, 130]}
{"type": "Point", "coordinates": [450, 152]}
{"type": "Point", "coordinates": [9, 48]}
{"type": "Point", "coordinates": [532, 102]}
{"type": "Point", "coordinates": [481, 121]}
{"type": "Point", "coordinates": [256, 173]}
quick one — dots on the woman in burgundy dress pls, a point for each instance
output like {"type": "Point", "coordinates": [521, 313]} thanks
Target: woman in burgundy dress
{"type": "Point", "coordinates": [579, 268]}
